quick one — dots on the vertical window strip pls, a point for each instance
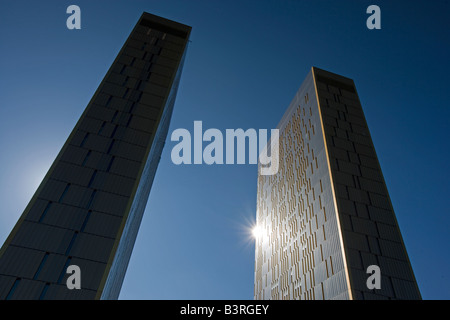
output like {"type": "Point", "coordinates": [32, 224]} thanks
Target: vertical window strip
{"type": "Point", "coordinates": [114, 116]}
{"type": "Point", "coordinates": [84, 139]}
{"type": "Point", "coordinates": [64, 193]}
{"type": "Point", "coordinates": [110, 164]}
{"type": "Point", "coordinates": [44, 213]}
{"type": "Point", "coordinates": [91, 199]}
{"type": "Point", "coordinates": [114, 131]}
{"type": "Point", "coordinates": [86, 158]}
{"type": "Point", "coordinates": [126, 92]}
{"type": "Point", "coordinates": [92, 178]}
{"type": "Point", "coordinates": [133, 105]}
{"type": "Point", "coordinates": [110, 147]}
{"type": "Point", "coordinates": [108, 101]}
{"type": "Point", "coordinates": [13, 288]}
{"type": "Point", "coordinates": [64, 270]}
{"type": "Point", "coordinates": [71, 243]}
{"type": "Point", "coordinates": [41, 265]}
{"type": "Point", "coordinates": [129, 120]}
{"type": "Point", "coordinates": [102, 127]}
{"type": "Point", "coordinates": [44, 291]}
{"type": "Point", "coordinates": [86, 220]}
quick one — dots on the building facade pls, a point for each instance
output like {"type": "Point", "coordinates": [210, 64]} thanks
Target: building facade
{"type": "Point", "coordinates": [326, 216]}
{"type": "Point", "coordinates": [88, 208]}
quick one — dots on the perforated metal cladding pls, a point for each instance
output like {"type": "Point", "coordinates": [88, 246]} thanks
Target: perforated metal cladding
{"type": "Point", "coordinates": [299, 254]}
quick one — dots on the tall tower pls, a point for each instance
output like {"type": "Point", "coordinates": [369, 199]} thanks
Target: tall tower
{"type": "Point", "coordinates": [87, 210]}
{"type": "Point", "coordinates": [326, 216]}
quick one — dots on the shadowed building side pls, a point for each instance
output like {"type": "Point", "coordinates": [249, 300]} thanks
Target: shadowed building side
{"type": "Point", "coordinates": [88, 208]}
{"type": "Point", "coordinates": [370, 231]}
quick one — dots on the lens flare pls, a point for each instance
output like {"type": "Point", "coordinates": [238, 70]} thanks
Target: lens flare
{"type": "Point", "coordinates": [257, 232]}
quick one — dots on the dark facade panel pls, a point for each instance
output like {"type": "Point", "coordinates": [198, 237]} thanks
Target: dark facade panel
{"type": "Point", "coordinates": [372, 234]}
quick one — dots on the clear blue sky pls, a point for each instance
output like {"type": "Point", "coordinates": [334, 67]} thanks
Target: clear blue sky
{"type": "Point", "coordinates": [244, 64]}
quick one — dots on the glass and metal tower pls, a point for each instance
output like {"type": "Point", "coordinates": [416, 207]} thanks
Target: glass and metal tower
{"type": "Point", "coordinates": [326, 216]}
{"type": "Point", "coordinates": [88, 208]}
